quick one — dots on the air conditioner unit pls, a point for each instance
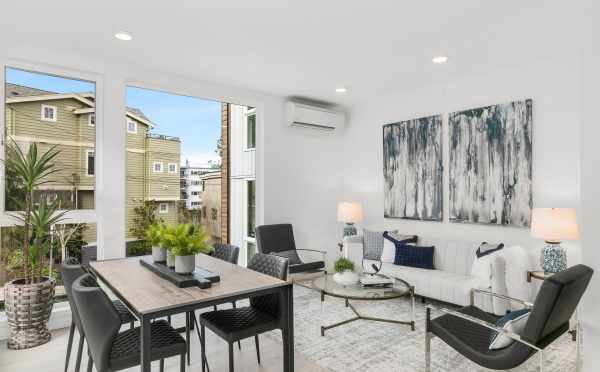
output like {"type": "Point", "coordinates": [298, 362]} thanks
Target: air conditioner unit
{"type": "Point", "coordinates": [302, 115]}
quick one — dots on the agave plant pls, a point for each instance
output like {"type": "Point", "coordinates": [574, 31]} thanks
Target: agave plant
{"type": "Point", "coordinates": [32, 170]}
{"type": "Point", "coordinates": [186, 239]}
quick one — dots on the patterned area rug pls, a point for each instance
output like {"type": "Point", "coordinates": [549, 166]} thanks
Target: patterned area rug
{"type": "Point", "coordinates": [374, 346]}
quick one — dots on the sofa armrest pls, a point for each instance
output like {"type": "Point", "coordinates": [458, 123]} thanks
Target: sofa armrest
{"type": "Point", "coordinates": [353, 250]}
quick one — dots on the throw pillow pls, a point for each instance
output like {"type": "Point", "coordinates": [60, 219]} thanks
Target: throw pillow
{"type": "Point", "coordinates": [372, 244]}
{"type": "Point", "coordinates": [389, 246]}
{"type": "Point", "coordinates": [513, 322]}
{"type": "Point", "coordinates": [486, 248]}
{"type": "Point", "coordinates": [412, 255]}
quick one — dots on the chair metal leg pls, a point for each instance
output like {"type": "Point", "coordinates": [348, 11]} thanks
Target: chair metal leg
{"type": "Point", "coordinates": [90, 364]}
{"type": "Point", "coordinates": [182, 363]}
{"type": "Point", "coordinates": [187, 335]}
{"type": "Point", "coordinates": [215, 307]}
{"type": "Point", "coordinates": [79, 352]}
{"type": "Point", "coordinates": [203, 346]}
{"type": "Point", "coordinates": [161, 365]}
{"type": "Point", "coordinates": [201, 339]}
{"type": "Point", "coordinates": [69, 346]}
{"type": "Point", "coordinates": [257, 348]}
{"type": "Point", "coordinates": [428, 337]}
{"type": "Point", "coordinates": [230, 357]}
{"type": "Point", "coordinates": [542, 361]}
{"type": "Point", "coordinates": [239, 342]}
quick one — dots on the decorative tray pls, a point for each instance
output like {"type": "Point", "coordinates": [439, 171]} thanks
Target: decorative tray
{"type": "Point", "coordinates": [201, 278]}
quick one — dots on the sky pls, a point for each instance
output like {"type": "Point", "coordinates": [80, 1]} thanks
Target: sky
{"type": "Point", "coordinates": [197, 122]}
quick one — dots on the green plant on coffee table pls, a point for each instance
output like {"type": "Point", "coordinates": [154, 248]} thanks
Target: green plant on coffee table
{"type": "Point", "coordinates": [186, 239]}
{"type": "Point", "coordinates": [342, 264]}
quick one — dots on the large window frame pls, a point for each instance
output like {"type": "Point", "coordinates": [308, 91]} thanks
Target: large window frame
{"type": "Point", "coordinates": [84, 216]}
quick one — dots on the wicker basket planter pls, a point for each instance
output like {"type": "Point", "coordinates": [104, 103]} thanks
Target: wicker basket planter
{"type": "Point", "coordinates": [28, 308]}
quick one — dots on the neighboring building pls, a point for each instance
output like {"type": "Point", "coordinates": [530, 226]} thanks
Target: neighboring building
{"type": "Point", "coordinates": [190, 184]}
{"type": "Point", "coordinates": [211, 204]}
{"type": "Point", "coordinates": [242, 180]}
{"type": "Point", "coordinates": [67, 120]}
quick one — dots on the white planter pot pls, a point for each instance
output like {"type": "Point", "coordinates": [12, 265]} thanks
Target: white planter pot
{"type": "Point", "coordinates": [159, 254]}
{"type": "Point", "coordinates": [170, 259]}
{"type": "Point", "coordinates": [346, 277]}
{"type": "Point", "coordinates": [185, 264]}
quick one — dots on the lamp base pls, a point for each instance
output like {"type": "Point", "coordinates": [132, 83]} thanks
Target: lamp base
{"type": "Point", "coordinates": [349, 229]}
{"type": "Point", "coordinates": [553, 258]}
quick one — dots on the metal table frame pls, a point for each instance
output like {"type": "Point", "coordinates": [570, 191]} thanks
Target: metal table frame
{"type": "Point", "coordinates": [287, 318]}
{"type": "Point", "coordinates": [410, 293]}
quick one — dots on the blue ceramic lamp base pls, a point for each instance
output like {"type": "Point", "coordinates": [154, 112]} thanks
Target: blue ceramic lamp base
{"type": "Point", "coordinates": [553, 258]}
{"type": "Point", "coordinates": [349, 229]}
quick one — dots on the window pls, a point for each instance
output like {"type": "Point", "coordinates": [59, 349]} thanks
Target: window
{"type": "Point", "coordinates": [90, 162]}
{"type": "Point", "coordinates": [163, 208]}
{"type": "Point", "coordinates": [92, 120]}
{"type": "Point", "coordinates": [196, 204]}
{"type": "Point", "coordinates": [157, 167]}
{"type": "Point", "coordinates": [131, 127]}
{"type": "Point", "coordinates": [172, 168]}
{"type": "Point", "coordinates": [195, 193]}
{"type": "Point", "coordinates": [251, 209]}
{"type": "Point", "coordinates": [49, 113]}
{"type": "Point", "coordinates": [251, 129]}
{"type": "Point", "coordinates": [203, 212]}
{"type": "Point", "coordinates": [195, 183]}
{"type": "Point", "coordinates": [214, 213]}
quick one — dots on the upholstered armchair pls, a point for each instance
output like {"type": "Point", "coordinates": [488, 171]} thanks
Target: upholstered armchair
{"type": "Point", "coordinates": [469, 330]}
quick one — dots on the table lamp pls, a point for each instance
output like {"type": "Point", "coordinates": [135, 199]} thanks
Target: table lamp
{"type": "Point", "coordinates": [350, 213]}
{"type": "Point", "coordinates": [554, 225]}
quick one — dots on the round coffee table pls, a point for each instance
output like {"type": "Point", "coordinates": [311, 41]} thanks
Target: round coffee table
{"type": "Point", "coordinates": [328, 287]}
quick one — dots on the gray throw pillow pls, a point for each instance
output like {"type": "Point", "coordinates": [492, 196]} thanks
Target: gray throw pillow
{"type": "Point", "coordinates": [373, 244]}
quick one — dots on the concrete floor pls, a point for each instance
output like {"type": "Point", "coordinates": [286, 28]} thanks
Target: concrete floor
{"type": "Point", "coordinates": [51, 356]}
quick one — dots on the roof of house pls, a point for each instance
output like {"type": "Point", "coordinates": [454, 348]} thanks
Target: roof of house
{"type": "Point", "coordinates": [17, 91]}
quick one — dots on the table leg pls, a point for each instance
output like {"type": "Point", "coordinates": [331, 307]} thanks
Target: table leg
{"type": "Point", "coordinates": [287, 296]}
{"type": "Point", "coordinates": [145, 344]}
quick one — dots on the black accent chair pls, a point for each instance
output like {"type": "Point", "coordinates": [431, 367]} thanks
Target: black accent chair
{"type": "Point", "coordinates": [70, 271]}
{"type": "Point", "coordinates": [469, 329]}
{"type": "Point", "coordinates": [111, 350]}
{"type": "Point", "coordinates": [279, 240]}
{"type": "Point", "coordinates": [263, 314]}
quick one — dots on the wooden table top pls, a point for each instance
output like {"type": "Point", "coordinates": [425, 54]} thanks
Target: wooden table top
{"type": "Point", "coordinates": [146, 292]}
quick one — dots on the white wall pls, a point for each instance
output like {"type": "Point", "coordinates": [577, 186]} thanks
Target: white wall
{"type": "Point", "coordinates": [554, 87]}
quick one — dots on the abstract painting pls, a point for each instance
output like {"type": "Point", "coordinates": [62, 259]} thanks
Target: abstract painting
{"type": "Point", "coordinates": [490, 164]}
{"type": "Point", "coordinates": [412, 169]}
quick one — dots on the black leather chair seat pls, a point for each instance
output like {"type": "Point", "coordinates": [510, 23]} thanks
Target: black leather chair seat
{"type": "Point", "coordinates": [124, 313]}
{"type": "Point", "coordinates": [307, 267]}
{"type": "Point", "coordinates": [473, 340]}
{"type": "Point", "coordinates": [234, 324]}
{"type": "Point", "coordinates": [125, 351]}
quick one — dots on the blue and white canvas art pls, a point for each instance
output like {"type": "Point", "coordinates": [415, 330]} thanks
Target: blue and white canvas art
{"type": "Point", "coordinates": [413, 169]}
{"type": "Point", "coordinates": [490, 164]}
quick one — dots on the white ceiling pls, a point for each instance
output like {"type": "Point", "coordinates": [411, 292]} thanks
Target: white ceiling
{"type": "Point", "coordinates": [303, 47]}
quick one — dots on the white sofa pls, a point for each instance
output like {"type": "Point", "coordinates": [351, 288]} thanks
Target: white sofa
{"type": "Point", "coordinates": [451, 281]}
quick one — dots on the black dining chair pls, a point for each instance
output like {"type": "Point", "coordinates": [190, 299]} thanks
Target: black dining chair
{"type": "Point", "coordinates": [469, 330]}
{"type": "Point", "coordinates": [228, 253]}
{"type": "Point", "coordinates": [279, 240]}
{"type": "Point", "coordinates": [263, 314]}
{"type": "Point", "coordinates": [111, 350]}
{"type": "Point", "coordinates": [70, 271]}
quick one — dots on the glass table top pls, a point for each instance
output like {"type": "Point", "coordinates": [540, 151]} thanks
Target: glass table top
{"type": "Point", "coordinates": [330, 287]}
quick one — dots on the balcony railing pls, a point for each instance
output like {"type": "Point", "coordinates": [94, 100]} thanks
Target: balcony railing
{"type": "Point", "coordinates": [163, 137]}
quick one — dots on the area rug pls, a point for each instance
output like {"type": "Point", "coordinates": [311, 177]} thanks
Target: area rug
{"type": "Point", "coordinates": [374, 346]}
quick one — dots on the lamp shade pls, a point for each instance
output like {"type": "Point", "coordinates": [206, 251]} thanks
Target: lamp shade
{"type": "Point", "coordinates": [349, 212]}
{"type": "Point", "coordinates": [554, 224]}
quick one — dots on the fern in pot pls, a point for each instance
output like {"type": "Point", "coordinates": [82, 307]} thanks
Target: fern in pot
{"type": "Point", "coordinates": [185, 241]}
{"type": "Point", "coordinates": [344, 272]}
{"type": "Point", "coordinates": [154, 235]}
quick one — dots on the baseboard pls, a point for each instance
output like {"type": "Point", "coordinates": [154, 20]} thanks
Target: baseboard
{"type": "Point", "coordinates": [60, 318]}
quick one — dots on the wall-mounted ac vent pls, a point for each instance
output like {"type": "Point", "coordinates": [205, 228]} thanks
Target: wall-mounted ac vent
{"type": "Point", "coordinates": [313, 117]}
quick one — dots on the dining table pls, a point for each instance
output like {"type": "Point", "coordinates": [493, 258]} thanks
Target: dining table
{"type": "Point", "coordinates": [148, 296]}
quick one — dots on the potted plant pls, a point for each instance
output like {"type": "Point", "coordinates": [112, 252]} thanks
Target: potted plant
{"type": "Point", "coordinates": [154, 236]}
{"type": "Point", "coordinates": [344, 272]}
{"type": "Point", "coordinates": [185, 242]}
{"type": "Point", "coordinates": [29, 299]}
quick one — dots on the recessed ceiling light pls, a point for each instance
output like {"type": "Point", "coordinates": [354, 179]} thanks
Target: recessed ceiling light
{"type": "Point", "coordinates": [341, 90]}
{"type": "Point", "coordinates": [439, 59]}
{"type": "Point", "coordinates": [124, 36]}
